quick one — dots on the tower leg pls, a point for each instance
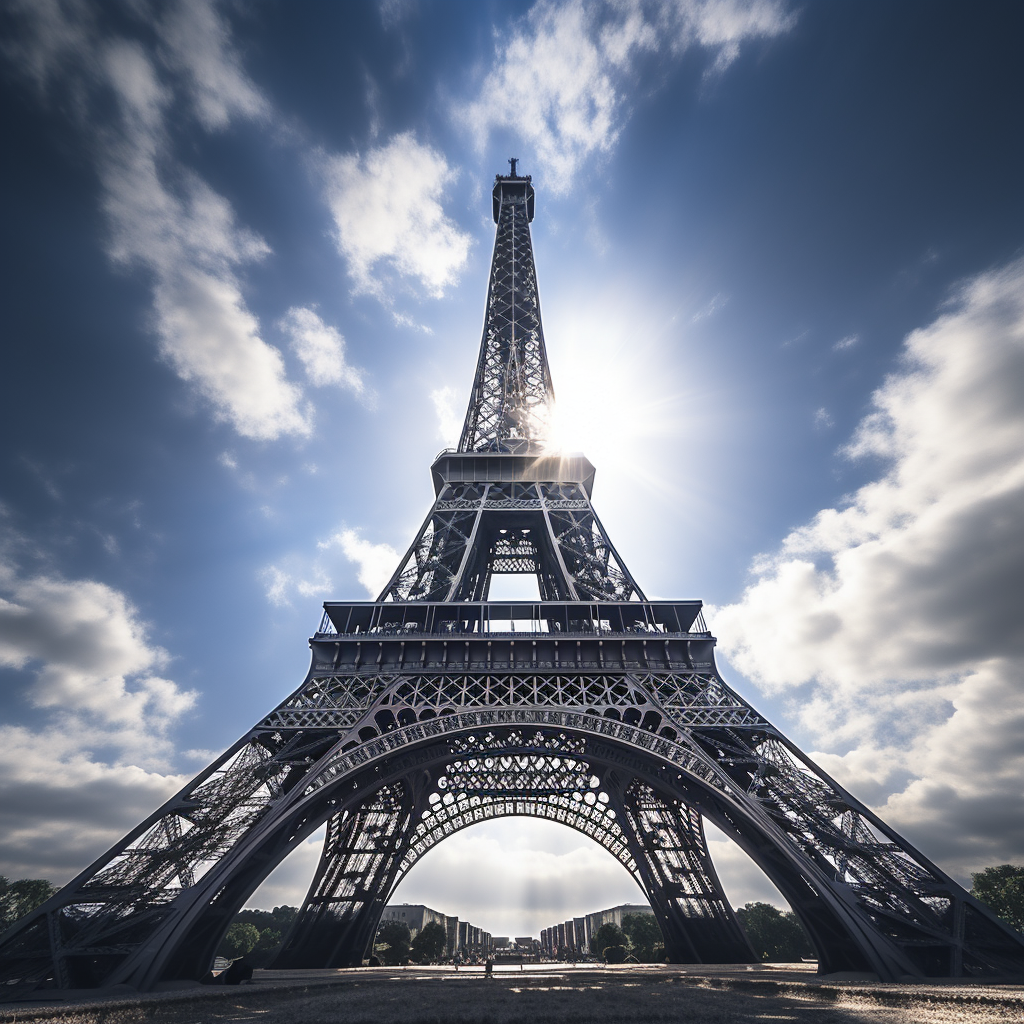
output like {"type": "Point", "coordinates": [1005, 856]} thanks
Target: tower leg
{"type": "Point", "coordinates": [667, 839]}
{"type": "Point", "coordinates": [360, 861]}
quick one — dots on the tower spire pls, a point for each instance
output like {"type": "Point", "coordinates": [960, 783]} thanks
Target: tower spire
{"type": "Point", "coordinates": [512, 397]}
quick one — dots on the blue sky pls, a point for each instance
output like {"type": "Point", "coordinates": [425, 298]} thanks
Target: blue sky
{"type": "Point", "coordinates": [779, 252]}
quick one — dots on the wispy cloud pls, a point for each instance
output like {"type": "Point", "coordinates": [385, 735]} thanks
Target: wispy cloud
{"type": "Point", "coordinates": [449, 422]}
{"type": "Point", "coordinates": [846, 343]}
{"type": "Point", "coordinates": [162, 217]}
{"type": "Point", "coordinates": [388, 216]}
{"type": "Point", "coordinates": [196, 42]}
{"type": "Point", "coordinates": [900, 609]}
{"type": "Point", "coordinates": [823, 419]}
{"type": "Point", "coordinates": [279, 584]}
{"type": "Point", "coordinates": [711, 308]}
{"type": "Point", "coordinates": [559, 77]}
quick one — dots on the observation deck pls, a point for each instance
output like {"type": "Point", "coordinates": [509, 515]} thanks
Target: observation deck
{"type": "Point", "coordinates": [511, 636]}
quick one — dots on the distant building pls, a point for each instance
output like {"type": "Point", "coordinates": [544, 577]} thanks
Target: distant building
{"type": "Point", "coordinates": [415, 915]}
{"type": "Point", "coordinates": [614, 915]}
{"type": "Point", "coordinates": [463, 938]}
{"type": "Point", "coordinates": [575, 935]}
{"type": "Point", "coordinates": [452, 928]}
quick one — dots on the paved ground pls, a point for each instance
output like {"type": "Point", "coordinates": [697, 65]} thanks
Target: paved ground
{"type": "Point", "coordinates": [543, 995]}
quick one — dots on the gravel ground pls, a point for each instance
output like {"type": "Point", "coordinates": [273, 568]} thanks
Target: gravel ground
{"type": "Point", "coordinates": [522, 1000]}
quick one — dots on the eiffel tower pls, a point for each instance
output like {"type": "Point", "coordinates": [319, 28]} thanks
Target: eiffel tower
{"type": "Point", "coordinates": [433, 708]}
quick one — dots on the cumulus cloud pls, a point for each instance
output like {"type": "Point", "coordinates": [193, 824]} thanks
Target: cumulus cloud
{"type": "Point", "coordinates": [321, 350]}
{"type": "Point", "coordinates": [558, 79]}
{"type": "Point", "coordinates": [162, 217]}
{"type": "Point", "coordinates": [96, 763]}
{"type": "Point", "coordinates": [388, 216]}
{"type": "Point", "coordinates": [61, 807]}
{"type": "Point", "coordinates": [898, 612]}
{"type": "Point", "coordinates": [91, 658]}
{"type": "Point", "coordinates": [312, 576]}
{"type": "Point", "coordinates": [377, 562]}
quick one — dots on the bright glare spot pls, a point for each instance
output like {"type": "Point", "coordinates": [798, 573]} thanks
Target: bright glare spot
{"type": "Point", "coordinates": [612, 394]}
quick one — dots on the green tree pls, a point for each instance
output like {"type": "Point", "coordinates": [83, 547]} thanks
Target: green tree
{"type": "Point", "coordinates": [270, 925]}
{"type": "Point", "coordinates": [430, 943]}
{"type": "Point", "coordinates": [279, 919]}
{"type": "Point", "coordinates": [392, 943]}
{"type": "Point", "coordinates": [1002, 890]}
{"type": "Point", "coordinates": [647, 943]}
{"type": "Point", "coordinates": [239, 940]}
{"type": "Point", "coordinates": [608, 935]}
{"type": "Point", "coordinates": [22, 896]}
{"type": "Point", "coordinates": [774, 934]}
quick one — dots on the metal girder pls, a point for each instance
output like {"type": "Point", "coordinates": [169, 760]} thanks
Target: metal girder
{"type": "Point", "coordinates": [433, 708]}
{"type": "Point", "coordinates": [476, 530]}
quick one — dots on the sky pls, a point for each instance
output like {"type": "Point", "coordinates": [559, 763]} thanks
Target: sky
{"type": "Point", "coordinates": [779, 249]}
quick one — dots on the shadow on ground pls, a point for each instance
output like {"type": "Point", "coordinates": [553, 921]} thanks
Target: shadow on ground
{"type": "Point", "coordinates": [403, 998]}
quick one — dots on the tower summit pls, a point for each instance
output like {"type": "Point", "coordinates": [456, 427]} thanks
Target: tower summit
{"type": "Point", "coordinates": [512, 399]}
{"type": "Point", "coordinates": [434, 708]}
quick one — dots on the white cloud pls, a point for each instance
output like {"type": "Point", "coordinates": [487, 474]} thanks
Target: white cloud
{"type": "Point", "coordinates": [846, 343]}
{"type": "Point", "coordinates": [388, 215]}
{"type": "Point", "coordinates": [197, 42]}
{"type": "Point", "coordinates": [558, 80]}
{"type": "Point", "coordinates": [162, 217]}
{"type": "Point", "coordinates": [377, 562]}
{"type": "Point", "coordinates": [404, 320]}
{"type": "Point", "coordinates": [93, 663]}
{"type": "Point", "coordinates": [95, 765]}
{"type": "Point", "coordinates": [322, 351]}
{"type": "Point", "coordinates": [312, 577]}
{"type": "Point", "coordinates": [61, 807]}
{"type": "Point", "coordinates": [278, 583]}
{"type": "Point", "coordinates": [823, 419]}
{"type": "Point", "coordinates": [900, 611]}
{"type": "Point", "coordinates": [449, 422]}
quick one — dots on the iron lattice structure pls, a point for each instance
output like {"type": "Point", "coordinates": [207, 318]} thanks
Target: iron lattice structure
{"type": "Point", "coordinates": [433, 708]}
